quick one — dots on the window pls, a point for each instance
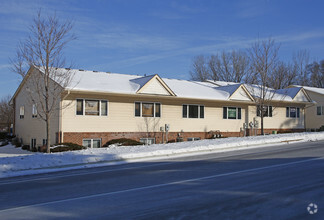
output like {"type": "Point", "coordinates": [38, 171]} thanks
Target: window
{"type": "Point", "coordinates": [44, 142]}
{"type": "Point", "coordinates": [157, 110]}
{"type": "Point", "coordinates": [79, 110]}
{"type": "Point", "coordinates": [33, 142]}
{"type": "Point", "coordinates": [193, 139]}
{"type": "Point", "coordinates": [320, 110]}
{"type": "Point", "coordinates": [147, 141]}
{"type": "Point", "coordinates": [232, 113]}
{"type": "Point", "coordinates": [292, 112]}
{"type": "Point", "coordinates": [137, 109]}
{"type": "Point", "coordinates": [267, 109]}
{"type": "Point", "coordinates": [34, 111]}
{"type": "Point", "coordinates": [193, 111]}
{"type": "Point", "coordinates": [146, 109]}
{"type": "Point", "coordinates": [104, 108]}
{"type": "Point", "coordinates": [92, 107]}
{"type": "Point", "coordinates": [22, 112]}
{"type": "Point", "coordinates": [91, 143]}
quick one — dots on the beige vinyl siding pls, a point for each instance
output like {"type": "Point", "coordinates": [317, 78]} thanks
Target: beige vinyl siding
{"type": "Point", "coordinates": [121, 116]}
{"type": "Point", "coordinates": [240, 94]}
{"type": "Point", "coordinates": [314, 121]}
{"type": "Point", "coordinates": [279, 119]}
{"type": "Point", "coordinates": [300, 97]}
{"type": "Point", "coordinates": [154, 87]}
{"type": "Point", "coordinates": [29, 127]}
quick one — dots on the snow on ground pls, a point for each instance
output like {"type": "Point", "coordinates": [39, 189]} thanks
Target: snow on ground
{"type": "Point", "coordinates": [42, 163]}
{"type": "Point", "coordinates": [12, 151]}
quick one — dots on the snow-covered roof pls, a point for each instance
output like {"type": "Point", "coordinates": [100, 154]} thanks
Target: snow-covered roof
{"type": "Point", "coordinates": [222, 83]}
{"type": "Point", "coordinates": [94, 81]}
{"type": "Point", "coordinates": [84, 80]}
{"type": "Point", "coordinates": [312, 89]}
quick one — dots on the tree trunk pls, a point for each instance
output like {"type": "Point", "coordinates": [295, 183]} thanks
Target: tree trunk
{"type": "Point", "coordinates": [48, 136]}
{"type": "Point", "coordinates": [262, 133]}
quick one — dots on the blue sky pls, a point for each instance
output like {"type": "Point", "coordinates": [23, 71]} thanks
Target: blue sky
{"type": "Point", "coordinates": [162, 36]}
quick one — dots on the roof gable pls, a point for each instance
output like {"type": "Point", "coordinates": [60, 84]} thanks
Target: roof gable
{"type": "Point", "coordinates": [237, 92]}
{"type": "Point", "coordinates": [302, 96]}
{"type": "Point", "coordinates": [241, 93]}
{"type": "Point", "coordinates": [153, 85]}
{"type": "Point", "coordinates": [310, 89]}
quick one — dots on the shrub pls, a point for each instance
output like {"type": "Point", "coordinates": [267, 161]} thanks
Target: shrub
{"type": "Point", "coordinates": [25, 147]}
{"type": "Point", "coordinates": [3, 135]}
{"type": "Point", "coordinates": [67, 147]}
{"type": "Point", "coordinates": [16, 141]}
{"type": "Point", "coordinates": [122, 142]}
{"type": "Point", "coordinates": [3, 143]}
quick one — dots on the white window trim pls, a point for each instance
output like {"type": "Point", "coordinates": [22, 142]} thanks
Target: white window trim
{"type": "Point", "coordinates": [296, 111]}
{"type": "Point", "coordinates": [83, 103]}
{"type": "Point", "coordinates": [22, 112]}
{"type": "Point", "coordinates": [236, 112]}
{"type": "Point", "coordinates": [34, 111]}
{"type": "Point", "coordinates": [147, 139]}
{"type": "Point", "coordinates": [92, 139]}
{"type": "Point", "coordinates": [188, 111]}
{"type": "Point", "coordinates": [193, 139]}
{"type": "Point", "coordinates": [141, 109]}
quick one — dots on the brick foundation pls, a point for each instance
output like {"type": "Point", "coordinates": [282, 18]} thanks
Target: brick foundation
{"type": "Point", "coordinates": [77, 137]}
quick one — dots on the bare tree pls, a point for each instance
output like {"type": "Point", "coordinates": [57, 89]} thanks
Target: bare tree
{"type": "Point", "coordinates": [264, 60]}
{"type": "Point", "coordinates": [43, 50]}
{"type": "Point", "coordinates": [151, 125]}
{"type": "Point", "coordinates": [316, 70]}
{"type": "Point", "coordinates": [6, 112]}
{"type": "Point", "coordinates": [230, 66]}
{"type": "Point", "coordinates": [301, 60]}
{"type": "Point", "coordinates": [283, 75]}
{"type": "Point", "coordinates": [200, 71]}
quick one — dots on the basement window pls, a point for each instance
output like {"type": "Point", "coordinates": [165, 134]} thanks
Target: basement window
{"type": "Point", "coordinates": [33, 142]}
{"type": "Point", "coordinates": [91, 143]}
{"type": "Point", "coordinates": [193, 139]}
{"type": "Point", "coordinates": [147, 141]}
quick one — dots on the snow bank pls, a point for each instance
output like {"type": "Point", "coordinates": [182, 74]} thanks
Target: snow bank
{"type": "Point", "coordinates": [39, 162]}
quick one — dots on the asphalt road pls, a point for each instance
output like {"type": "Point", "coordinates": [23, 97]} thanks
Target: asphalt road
{"type": "Point", "coordinates": [266, 183]}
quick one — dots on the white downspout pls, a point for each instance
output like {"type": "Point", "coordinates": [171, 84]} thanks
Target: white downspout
{"type": "Point", "coordinates": [61, 117]}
